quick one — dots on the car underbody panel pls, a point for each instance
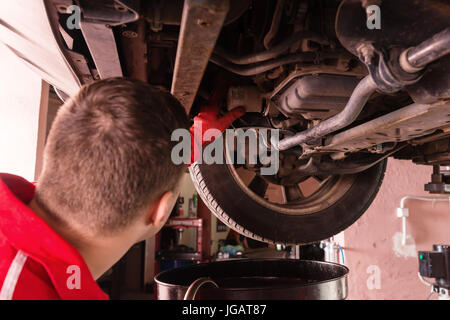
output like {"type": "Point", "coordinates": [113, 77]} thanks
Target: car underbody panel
{"type": "Point", "coordinates": [301, 69]}
{"type": "Point", "coordinates": [31, 36]}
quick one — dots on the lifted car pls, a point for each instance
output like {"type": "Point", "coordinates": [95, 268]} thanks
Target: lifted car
{"type": "Point", "coordinates": [347, 83]}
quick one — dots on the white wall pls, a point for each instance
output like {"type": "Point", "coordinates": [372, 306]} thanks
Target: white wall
{"type": "Point", "coordinates": [380, 266]}
{"type": "Point", "coordinates": [189, 237]}
{"type": "Point", "coordinates": [22, 93]}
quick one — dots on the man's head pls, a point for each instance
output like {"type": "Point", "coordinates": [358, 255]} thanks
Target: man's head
{"type": "Point", "coordinates": [107, 159]}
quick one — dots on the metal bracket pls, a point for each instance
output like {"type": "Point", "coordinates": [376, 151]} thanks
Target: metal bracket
{"type": "Point", "coordinates": [110, 12]}
{"type": "Point", "coordinates": [440, 181]}
{"type": "Point", "coordinates": [201, 23]}
{"type": "Point", "coordinates": [384, 67]}
{"type": "Point", "coordinates": [98, 18]}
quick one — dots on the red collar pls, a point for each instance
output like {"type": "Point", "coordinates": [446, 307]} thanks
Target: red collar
{"type": "Point", "coordinates": [27, 232]}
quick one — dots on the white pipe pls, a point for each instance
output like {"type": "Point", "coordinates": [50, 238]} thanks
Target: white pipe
{"type": "Point", "coordinates": [424, 281]}
{"type": "Point", "coordinates": [403, 230]}
{"type": "Point", "coordinates": [441, 198]}
{"type": "Point", "coordinates": [402, 213]}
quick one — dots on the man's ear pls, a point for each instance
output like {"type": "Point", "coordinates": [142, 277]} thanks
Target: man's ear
{"type": "Point", "coordinates": [160, 209]}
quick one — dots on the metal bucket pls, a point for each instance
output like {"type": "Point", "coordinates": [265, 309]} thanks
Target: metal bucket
{"type": "Point", "coordinates": [267, 279]}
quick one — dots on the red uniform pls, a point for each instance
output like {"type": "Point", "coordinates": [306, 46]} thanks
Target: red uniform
{"type": "Point", "coordinates": [35, 262]}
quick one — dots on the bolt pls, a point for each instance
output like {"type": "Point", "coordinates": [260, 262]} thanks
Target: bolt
{"type": "Point", "coordinates": [61, 8]}
{"type": "Point", "coordinates": [156, 26]}
{"type": "Point", "coordinates": [129, 34]}
{"type": "Point", "coordinates": [366, 51]}
{"type": "Point", "coordinates": [120, 8]}
{"type": "Point", "coordinates": [203, 23]}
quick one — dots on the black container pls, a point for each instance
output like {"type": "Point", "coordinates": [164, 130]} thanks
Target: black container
{"type": "Point", "coordinates": [267, 279]}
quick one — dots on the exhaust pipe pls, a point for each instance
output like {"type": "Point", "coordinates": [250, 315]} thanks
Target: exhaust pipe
{"type": "Point", "coordinates": [411, 60]}
{"type": "Point", "coordinates": [355, 104]}
{"type": "Point", "coordinates": [416, 58]}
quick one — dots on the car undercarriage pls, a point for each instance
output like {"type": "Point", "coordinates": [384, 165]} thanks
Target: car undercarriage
{"type": "Point", "coordinates": [348, 84]}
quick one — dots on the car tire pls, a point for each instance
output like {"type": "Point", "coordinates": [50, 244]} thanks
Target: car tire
{"type": "Point", "coordinates": [230, 204]}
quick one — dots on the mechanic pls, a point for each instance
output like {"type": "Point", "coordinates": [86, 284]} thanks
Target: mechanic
{"type": "Point", "coordinates": [107, 183]}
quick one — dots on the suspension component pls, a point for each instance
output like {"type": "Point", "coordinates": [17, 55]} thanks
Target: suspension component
{"type": "Point", "coordinates": [386, 76]}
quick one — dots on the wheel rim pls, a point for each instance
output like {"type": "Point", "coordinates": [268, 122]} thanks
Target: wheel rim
{"type": "Point", "coordinates": [311, 195]}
